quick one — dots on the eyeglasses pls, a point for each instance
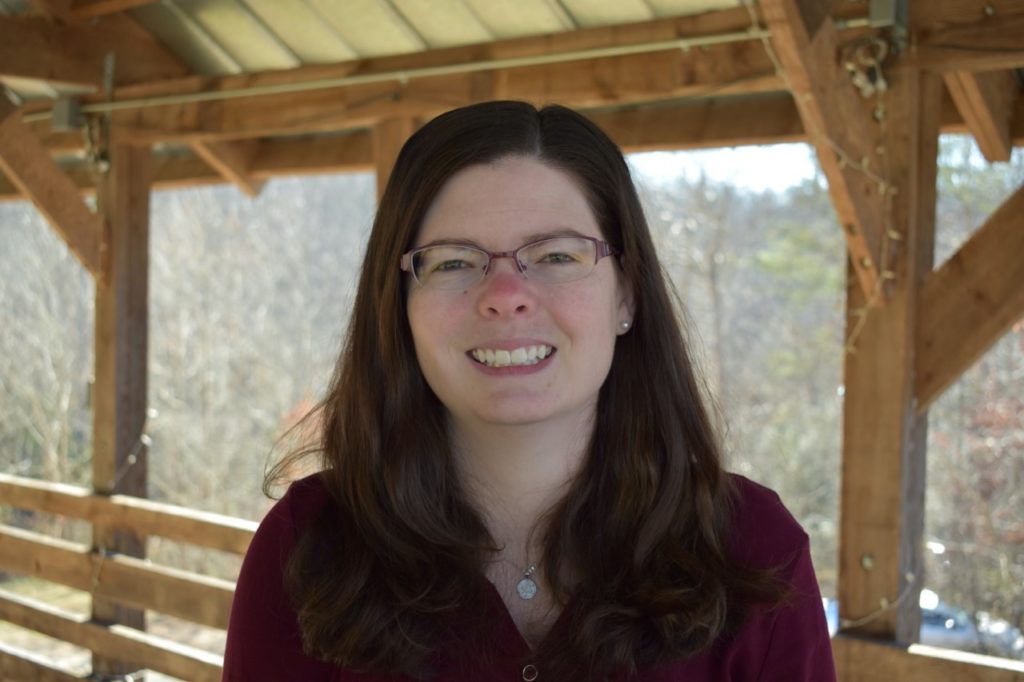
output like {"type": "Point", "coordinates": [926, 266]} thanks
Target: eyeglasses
{"type": "Point", "coordinates": [553, 260]}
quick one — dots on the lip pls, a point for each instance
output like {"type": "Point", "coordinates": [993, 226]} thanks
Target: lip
{"type": "Point", "coordinates": [509, 345]}
{"type": "Point", "coordinates": [512, 370]}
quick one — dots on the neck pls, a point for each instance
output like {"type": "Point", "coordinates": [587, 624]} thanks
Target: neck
{"type": "Point", "coordinates": [514, 474]}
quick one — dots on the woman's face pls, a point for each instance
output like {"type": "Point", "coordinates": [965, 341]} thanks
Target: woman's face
{"type": "Point", "coordinates": [499, 207]}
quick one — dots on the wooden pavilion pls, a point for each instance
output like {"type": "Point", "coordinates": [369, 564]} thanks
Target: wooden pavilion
{"type": "Point", "coordinates": [117, 97]}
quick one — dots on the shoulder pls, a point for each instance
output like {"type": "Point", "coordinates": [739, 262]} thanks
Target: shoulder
{"type": "Point", "coordinates": [263, 640]}
{"type": "Point", "coordinates": [764, 533]}
{"type": "Point", "coordinates": [301, 503]}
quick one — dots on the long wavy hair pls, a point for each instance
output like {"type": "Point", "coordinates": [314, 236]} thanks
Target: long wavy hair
{"type": "Point", "coordinates": [398, 554]}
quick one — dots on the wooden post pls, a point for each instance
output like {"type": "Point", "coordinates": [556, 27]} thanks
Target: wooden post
{"type": "Point", "coordinates": [884, 438]}
{"type": "Point", "coordinates": [388, 137]}
{"type": "Point", "coordinates": [119, 392]}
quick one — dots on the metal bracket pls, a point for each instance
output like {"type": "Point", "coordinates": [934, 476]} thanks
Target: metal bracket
{"type": "Point", "coordinates": [891, 14]}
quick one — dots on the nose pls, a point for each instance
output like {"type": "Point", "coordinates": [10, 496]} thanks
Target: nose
{"type": "Point", "coordinates": [505, 291]}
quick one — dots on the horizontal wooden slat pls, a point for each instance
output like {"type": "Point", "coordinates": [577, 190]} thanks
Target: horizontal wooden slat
{"type": "Point", "coordinates": [145, 517]}
{"type": "Point", "coordinates": [25, 666]}
{"type": "Point", "coordinates": [132, 582]}
{"type": "Point", "coordinates": [862, 660]}
{"type": "Point", "coordinates": [116, 642]}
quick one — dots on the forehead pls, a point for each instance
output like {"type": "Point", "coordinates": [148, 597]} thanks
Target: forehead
{"type": "Point", "coordinates": [501, 204]}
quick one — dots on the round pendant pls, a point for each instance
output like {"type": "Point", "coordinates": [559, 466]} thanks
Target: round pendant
{"type": "Point", "coordinates": [526, 588]}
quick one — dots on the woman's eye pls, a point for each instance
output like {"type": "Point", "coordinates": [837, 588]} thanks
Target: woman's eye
{"type": "Point", "coordinates": [451, 264]}
{"type": "Point", "coordinates": [556, 258]}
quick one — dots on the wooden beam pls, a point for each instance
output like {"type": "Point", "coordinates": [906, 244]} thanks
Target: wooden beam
{"type": "Point", "coordinates": [839, 128]}
{"type": "Point", "coordinates": [986, 102]}
{"type": "Point", "coordinates": [862, 660]}
{"type": "Point", "coordinates": [54, 10]}
{"type": "Point", "coordinates": [741, 67]}
{"type": "Point", "coordinates": [30, 168]}
{"type": "Point", "coordinates": [140, 649]}
{"type": "Point", "coordinates": [126, 580]}
{"type": "Point", "coordinates": [17, 665]}
{"type": "Point", "coordinates": [722, 122]}
{"type": "Point", "coordinates": [119, 392]}
{"type": "Point", "coordinates": [388, 137]}
{"type": "Point", "coordinates": [233, 160]}
{"type": "Point", "coordinates": [350, 153]}
{"type": "Point", "coordinates": [89, 9]}
{"type": "Point", "coordinates": [145, 517]}
{"type": "Point", "coordinates": [966, 35]}
{"type": "Point", "coordinates": [63, 54]}
{"type": "Point", "coordinates": [884, 437]}
{"type": "Point", "coordinates": [678, 125]}
{"type": "Point", "coordinates": [971, 301]}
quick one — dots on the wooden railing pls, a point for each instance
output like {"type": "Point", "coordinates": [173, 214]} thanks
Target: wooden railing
{"type": "Point", "coordinates": [132, 582]}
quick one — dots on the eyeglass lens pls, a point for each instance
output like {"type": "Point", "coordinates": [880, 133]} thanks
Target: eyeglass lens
{"type": "Point", "coordinates": [452, 266]}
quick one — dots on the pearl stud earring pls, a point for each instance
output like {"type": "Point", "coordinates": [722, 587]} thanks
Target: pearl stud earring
{"type": "Point", "coordinates": [625, 324]}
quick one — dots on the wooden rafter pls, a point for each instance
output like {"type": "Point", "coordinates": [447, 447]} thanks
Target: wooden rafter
{"type": "Point", "coordinates": [837, 125]}
{"type": "Point", "coordinates": [971, 301]}
{"type": "Point", "coordinates": [29, 166]}
{"type": "Point", "coordinates": [350, 153]}
{"type": "Point", "coordinates": [89, 9]}
{"type": "Point", "coordinates": [966, 35]}
{"type": "Point", "coordinates": [740, 67]}
{"type": "Point", "coordinates": [986, 102]}
{"type": "Point", "coordinates": [725, 122]}
{"type": "Point", "coordinates": [34, 48]}
{"type": "Point", "coordinates": [233, 160]}
{"type": "Point", "coordinates": [388, 138]}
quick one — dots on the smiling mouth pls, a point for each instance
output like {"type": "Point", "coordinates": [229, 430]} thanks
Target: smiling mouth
{"type": "Point", "coordinates": [518, 357]}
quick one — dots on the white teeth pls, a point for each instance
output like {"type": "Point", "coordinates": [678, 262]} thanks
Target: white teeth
{"type": "Point", "coordinates": [527, 355]}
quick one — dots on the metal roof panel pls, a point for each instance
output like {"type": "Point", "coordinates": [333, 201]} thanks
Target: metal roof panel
{"type": "Point", "coordinates": [444, 23]}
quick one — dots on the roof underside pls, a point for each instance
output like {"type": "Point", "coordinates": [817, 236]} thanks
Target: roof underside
{"type": "Point", "coordinates": [224, 37]}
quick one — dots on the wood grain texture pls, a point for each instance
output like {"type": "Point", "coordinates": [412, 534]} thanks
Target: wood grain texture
{"type": "Point", "coordinates": [966, 35]}
{"type": "Point", "coordinates": [233, 160]}
{"type": "Point", "coordinates": [121, 364]}
{"type": "Point", "coordinates": [144, 517]}
{"type": "Point", "coordinates": [863, 660]}
{"type": "Point", "coordinates": [985, 101]}
{"type": "Point", "coordinates": [17, 665]}
{"type": "Point", "coordinates": [837, 122]}
{"type": "Point", "coordinates": [971, 301]}
{"type": "Point", "coordinates": [884, 437]}
{"type": "Point", "coordinates": [139, 649]}
{"type": "Point", "coordinates": [117, 578]}
{"type": "Point", "coordinates": [74, 54]}
{"type": "Point", "coordinates": [388, 137]}
{"type": "Point", "coordinates": [38, 178]}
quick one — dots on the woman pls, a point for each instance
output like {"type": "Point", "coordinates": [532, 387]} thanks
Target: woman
{"type": "Point", "coordinates": [520, 480]}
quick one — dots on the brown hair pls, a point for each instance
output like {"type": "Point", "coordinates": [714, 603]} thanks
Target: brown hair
{"type": "Point", "coordinates": [378, 579]}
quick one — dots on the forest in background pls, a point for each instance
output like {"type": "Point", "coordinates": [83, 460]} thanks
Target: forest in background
{"type": "Point", "coordinates": [250, 298]}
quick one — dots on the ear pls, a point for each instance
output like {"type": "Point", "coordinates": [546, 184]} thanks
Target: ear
{"type": "Point", "coordinates": [626, 305]}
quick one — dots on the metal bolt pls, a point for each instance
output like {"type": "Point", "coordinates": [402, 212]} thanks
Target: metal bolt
{"type": "Point", "coordinates": [989, 10]}
{"type": "Point", "coordinates": [865, 262]}
{"type": "Point", "coordinates": [867, 561]}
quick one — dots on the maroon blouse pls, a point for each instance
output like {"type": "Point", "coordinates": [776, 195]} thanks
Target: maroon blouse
{"type": "Point", "coordinates": [788, 643]}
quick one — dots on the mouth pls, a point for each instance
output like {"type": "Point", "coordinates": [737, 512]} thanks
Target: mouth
{"type": "Point", "coordinates": [516, 357]}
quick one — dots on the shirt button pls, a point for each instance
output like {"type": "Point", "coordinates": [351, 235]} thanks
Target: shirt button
{"type": "Point", "coordinates": [530, 673]}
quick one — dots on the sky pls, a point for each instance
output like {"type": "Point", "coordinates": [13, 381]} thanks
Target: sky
{"type": "Point", "coordinates": [758, 168]}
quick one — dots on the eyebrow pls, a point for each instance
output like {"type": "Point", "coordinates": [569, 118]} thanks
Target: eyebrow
{"type": "Point", "coordinates": [535, 237]}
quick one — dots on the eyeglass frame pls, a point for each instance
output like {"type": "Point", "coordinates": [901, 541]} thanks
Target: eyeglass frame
{"type": "Point", "coordinates": [602, 249]}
